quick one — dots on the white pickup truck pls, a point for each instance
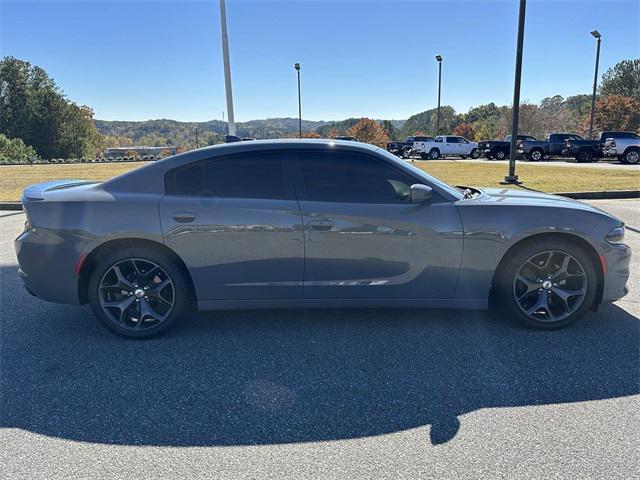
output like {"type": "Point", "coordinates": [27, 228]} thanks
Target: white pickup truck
{"type": "Point", "coordinates": [446, 146]}
{"type": "Point", "coordinates": [626, 148]}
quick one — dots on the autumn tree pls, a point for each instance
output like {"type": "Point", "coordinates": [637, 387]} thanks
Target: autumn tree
{"type": "Point", "coordinates": [617, 112]}
{"type": "Point", "coordinates": [369, 131]}
{"type": "Point", "coordinates": [465, 130]}
{"type": "Point", "coordinates": [311, 135]}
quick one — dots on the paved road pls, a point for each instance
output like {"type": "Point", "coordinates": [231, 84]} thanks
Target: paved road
{"type": "Point", "coordinates": [318, 394]}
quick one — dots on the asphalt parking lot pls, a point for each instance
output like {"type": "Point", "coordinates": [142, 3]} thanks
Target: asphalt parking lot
{"type": "Point", "coordinates": [318, 394]}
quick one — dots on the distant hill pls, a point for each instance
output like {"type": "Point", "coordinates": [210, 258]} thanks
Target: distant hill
{"type": "Point", "coordinates": [183, 134]}
{"type": "Point", "coordinates": [172, 132]}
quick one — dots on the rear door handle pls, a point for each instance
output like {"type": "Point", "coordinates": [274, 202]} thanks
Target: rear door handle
{"type": "Point", "coordinates": [321, 225]}
{"type": "Point", "coordinates": [184, 217]}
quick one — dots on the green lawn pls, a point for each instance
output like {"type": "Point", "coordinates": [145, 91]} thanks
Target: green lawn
{"type": "Point", "coordinates": [14, 178]}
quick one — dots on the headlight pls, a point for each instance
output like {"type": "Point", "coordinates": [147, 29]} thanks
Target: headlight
{"type": "Point", "coordinates": [616, 235]}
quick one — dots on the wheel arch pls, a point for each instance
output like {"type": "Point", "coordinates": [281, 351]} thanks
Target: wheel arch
{"type": "Point", "coordinates": [577, 239]}
{"type": "Point", "coordinates": [100, 251]}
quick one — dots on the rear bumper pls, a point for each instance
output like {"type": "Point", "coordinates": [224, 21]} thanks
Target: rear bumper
{"type": "Point", "coordinates": [47, 265]}
{"type": "Point", "coordinates": [618, 260]}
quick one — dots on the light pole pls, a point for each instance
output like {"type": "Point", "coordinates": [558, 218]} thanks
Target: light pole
{"type": "Point", "coordinates": [297, 67]}
{"type": "Point", "coordinates": [512, 177]}
{"type": "Point", "coordinates": [598, 37]}
{"type": "Point", "coordinates": [439, 60]}
{"type": "Point", "coordinates": [227, 68]}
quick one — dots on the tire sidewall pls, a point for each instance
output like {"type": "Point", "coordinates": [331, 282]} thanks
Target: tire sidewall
{"type": "Point", "coordinates": [626, 157]}
{"type": "Point", "coordinates": [182, 299]}
{"type": "Point", "coordinates": [503, 295]}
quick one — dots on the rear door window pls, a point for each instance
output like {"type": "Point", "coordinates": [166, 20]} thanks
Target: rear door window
{"type": "Point", "coordinates": [248, 175]}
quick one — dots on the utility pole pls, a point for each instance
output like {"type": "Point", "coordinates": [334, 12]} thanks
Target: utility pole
{"type": "Point", "coordinates": [297, 67]}
{"type": "Point", "coordinates": [439, 60]}
{"type": "Point", "coordinates": [227, 68]}
{"type": "Point", "coordinates": [197, 142]}
{"type": "Point", "coordinates": [512, 178]}
{"type": "Point", "coordinates": [598, 37]}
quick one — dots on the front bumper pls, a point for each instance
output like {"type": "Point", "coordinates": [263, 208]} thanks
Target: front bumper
{"type": "Point", "coordinates": [618, 260]}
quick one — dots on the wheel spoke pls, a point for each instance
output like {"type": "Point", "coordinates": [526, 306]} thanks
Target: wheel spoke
{"type": "Point", "coordinates": [121, 305]}
{"type": "Point", "coordinates": [541, 303]}
{"type": "Point", "coordinates": [531, 286]}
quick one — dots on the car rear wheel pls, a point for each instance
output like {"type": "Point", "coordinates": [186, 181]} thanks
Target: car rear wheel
{"type": "Point", "coordinates": [632, 156]}
{"type": "Point", "coordinates": [536, 155]}
{"type": "Point", "coordinates": [475, 153]}
{"type": "Point", "coordinates": [138, 292]}
{"type": "Point", "coordinates": [500, 155]}
{"type": "Point", "coordinates": [546, 284]}
{"type": "Point", "coordinates": [585, 156]}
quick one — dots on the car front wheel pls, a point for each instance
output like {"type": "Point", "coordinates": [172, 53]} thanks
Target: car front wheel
{"type": "Point", "coordinates": [632, 156]}
{"type": "Point", "coordinates": [546, 284]}
{"type": "Point", "coordinates": [138, 292]}
{"type": "Point", "coordinates": [434, 154]}
{"type": "Point", "coordinates": [500, 155]}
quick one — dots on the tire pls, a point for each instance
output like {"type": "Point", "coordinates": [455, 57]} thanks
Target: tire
{"type": "Point", "coordinates": [585, 156]}
{"type": "Point", "coordinates": [535, 155]}
{"type": "Point", "coordinates": [526, 302]}
{"type": "Point", "coordinates": [632, 156]}
{"type": "Point", "coordinates": [475, 153]}
{"type": "Point", "coordinates": [129, 292]}
{"type": "Point", "coordinates": [500, 154]}
{"type": "Point", "coordinates": [434, 154]}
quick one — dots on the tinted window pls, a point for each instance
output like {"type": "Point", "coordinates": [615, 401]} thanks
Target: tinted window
{"type": "Point", "coordinates": [351, 177]}
{"type": "Point", "coordinates": [239, 176]}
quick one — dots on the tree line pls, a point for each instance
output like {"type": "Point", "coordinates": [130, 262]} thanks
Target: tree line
{"type": "Point", "coordinates": [37, 120]}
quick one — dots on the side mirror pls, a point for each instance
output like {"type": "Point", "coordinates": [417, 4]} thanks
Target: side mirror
{"type": "Point", "coordinates": [420, 193]}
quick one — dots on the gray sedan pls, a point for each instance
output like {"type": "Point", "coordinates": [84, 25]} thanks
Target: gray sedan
{"type": "Point", "coordinates": [311, 223]}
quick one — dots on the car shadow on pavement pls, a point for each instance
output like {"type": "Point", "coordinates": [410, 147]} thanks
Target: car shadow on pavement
{"type": "Point", "coordinates": [269, 377]}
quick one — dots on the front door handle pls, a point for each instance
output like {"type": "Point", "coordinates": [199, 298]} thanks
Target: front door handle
{"type": "Point", "coordinates": [321, 225]}
{"type": "Point", "coordinates": [184, 217]}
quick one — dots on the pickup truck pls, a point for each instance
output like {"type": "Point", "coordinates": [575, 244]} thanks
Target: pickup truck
{"type": "Point", "coordinates": [552, 146]}
{"type": "Point", "coordinates": [403, 149]}
{"type": "Point", "coordinates": [627, 148]}
{"type": "Point", "coordinates": [499, 149]}
{"type": "Point", "coordinates": [590, 150]}
{"type": "Point", "coordinates": [445, 146]}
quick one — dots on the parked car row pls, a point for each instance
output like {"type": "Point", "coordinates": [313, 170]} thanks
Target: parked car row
{"type": "Point", "coordinates": [434, 148]}
{"type": "Point", "coordinates": [623, 145]}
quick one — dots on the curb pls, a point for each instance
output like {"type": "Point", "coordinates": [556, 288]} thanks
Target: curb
{"type": "Point", "coordinates": [605, 195]}
{"type": "Point", "coordinates": [10, 206]}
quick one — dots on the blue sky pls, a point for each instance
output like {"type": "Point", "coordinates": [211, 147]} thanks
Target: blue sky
{"type": "Point", "coordinates": [135, 60]}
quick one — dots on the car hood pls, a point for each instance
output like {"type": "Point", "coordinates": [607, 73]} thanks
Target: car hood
{"type": "Point", "coordinates": [516, 197]}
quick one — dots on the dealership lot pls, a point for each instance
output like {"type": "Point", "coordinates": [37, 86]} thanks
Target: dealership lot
{"type": "Point", "coordinates": [318, 394]}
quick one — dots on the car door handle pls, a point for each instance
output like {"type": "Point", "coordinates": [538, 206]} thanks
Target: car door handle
{"type": "Point", "coordinates": [321, 225]}
{"type": "Point", "coordinates": [184, 217]}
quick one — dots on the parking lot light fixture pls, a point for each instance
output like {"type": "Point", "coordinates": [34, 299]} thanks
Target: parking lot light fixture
{"type": "Point", "coordinates": [297, 67]}
{"type": "Point", "coordinates": [439, 60]}
{"type": "Point", "coordinates": [598, 37]}
{"type": "Point", "coordinates": [512, 178]}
